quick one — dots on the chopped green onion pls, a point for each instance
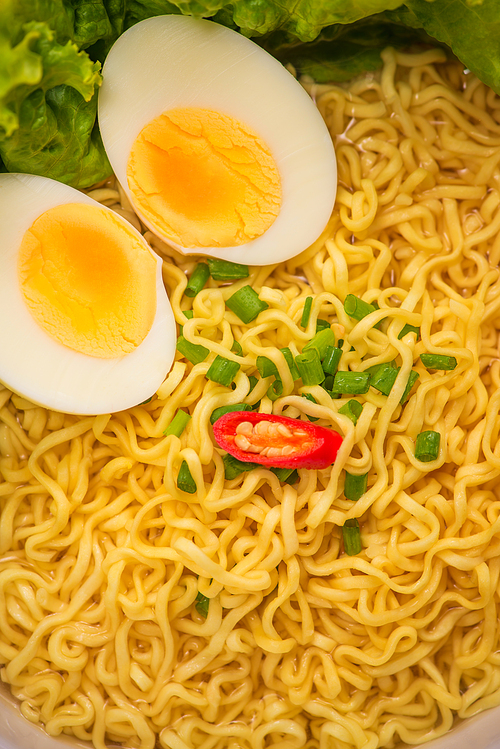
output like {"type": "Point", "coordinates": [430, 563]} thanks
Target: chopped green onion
{"type": "Point", "coordinates": [321, 324]}
{"type": "Point", "coordinates": [188, 313]}
{"type": "Point", "coordinates": [291, 363]}
{"type": "Point", "coordinates": [438, 361]}
{"type": "Point", "coordinates": [178, 424]}
{"type": "Point", "coordinates": [197, 280]}
{"type": "Point", "coordinates": [355, 485]}
{"type": "Point", "coordinates": [285, 475]}
{"type": "Point", "coordinates": [331, 360]}
{"type": "Point", "coordinates": [311, 398]}
{"type": "Point", "coordinates": [148, 400]}
{"type": "Point", "coordinates": [357, 308]}
{"type": "Point", "coordinates": [233, 467]}
{"type": "Point", "coordinates": [340, 343]}
{"type": "Point", "coordinates": [321, 342]}
{"type": "Point", "coordinates": [266, 367]}
{"type": "Point", "coordinates": [412, 378]}
{"type": "Point", "coordinates": [327, 384]}
{"type": "Point", "coordinates": [252, 381]}
{"type": "Point", "coordinates": [309, 367]}
{"type": "Point", "coordinates": [352, 537]}
{"type": "Point", "coordinates": [383, 378]}
{"type": "Point", "coordinates": [223, 371]}
{"type": "Point", "coordinates": [201, 605]}
{"type": "Point", "coordinates": [185, 482]}
{"type": "Point", "coordinates": [408, 329]}
{"type": "Point", "coordinates": [236, 348]}
{"type": "Point", "coordinates": [352, 409]}
{"type": "Point", "coordinates": [351, 383]}
{"type": "Point", "coordinates": [245, 304]}
{"type": "Point", "coordinates": [224, 270]}
{"type": "Point", "coordinates": [193, 352]}
{"type": "Point", "coordinates": [306, 312]}
{"type": "Point", "coordinates": [275, 390]}
{"type": "Point", "coordinates": [218, 412]}
{"type": "Point", "coordinates": [427, 446]}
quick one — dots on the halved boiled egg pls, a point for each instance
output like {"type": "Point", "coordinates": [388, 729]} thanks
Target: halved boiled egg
{"type": "Point", "coordinates": [85, 323]}
{"type": "Point", "coordinates": [219, 148]}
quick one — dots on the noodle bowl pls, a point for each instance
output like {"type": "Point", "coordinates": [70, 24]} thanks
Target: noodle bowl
{"type": "Point", "coordinates": [103, 556]}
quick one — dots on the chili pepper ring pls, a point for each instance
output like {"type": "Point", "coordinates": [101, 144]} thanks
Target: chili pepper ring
{"type": "Point", "coordinates": [276, 441]}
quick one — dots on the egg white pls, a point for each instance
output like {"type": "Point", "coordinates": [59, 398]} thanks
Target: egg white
{"type": "Point", "coordinates": [177, 61]}
{"type": "Point", "coordinates": [35, 365]}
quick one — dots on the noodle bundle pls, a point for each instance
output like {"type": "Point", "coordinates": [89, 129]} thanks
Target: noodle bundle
{"type": "Point", "coordinates": [103, 558]}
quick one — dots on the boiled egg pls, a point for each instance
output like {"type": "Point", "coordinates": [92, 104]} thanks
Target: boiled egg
{"type": "Point", "coordinates": [219, 149]}
{"type": "Point", "coordinates": [86, 326]}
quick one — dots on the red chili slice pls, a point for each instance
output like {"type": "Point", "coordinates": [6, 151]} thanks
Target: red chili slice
{"type": "Point", "coordinates": [276, 440]}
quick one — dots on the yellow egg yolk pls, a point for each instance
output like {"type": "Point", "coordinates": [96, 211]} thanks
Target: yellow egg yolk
{"type": "Point", "coordinates": [204, 179]}
{"type": "Point", "coordinates": [88, 281]}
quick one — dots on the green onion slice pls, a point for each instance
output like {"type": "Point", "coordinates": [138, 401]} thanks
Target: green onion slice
{"type": "Point", "coordinates": [352, 537]}
{"type": "Point", "coordinates": [438, 361]}
{"type": "Point", "coordinates": [306, 312]}
{"type": "Point", "coordinates": [412, 378]}
{"type": "Point", "coordinates": [178, 424]}
{"type": "Point", "coordinates": [355, 485]}
{"type": "Point", "coordinates": [201, 605]}
{"type": "Point", "coordinates": [331, 360]}
{"type": "Point", "coordinates": [291, 363]}
{"type": "Point", "coordinates": [309, 367]}
{"type": "Point", "coordinates": [245, 304]}
{"type": "Point", "coordinates": [357, 308]}
{"type": "Point", "coordinates": [384, 377]}
{"type": "Point", "coordinates": [352, 409]}
{"type": "Point", "coordinates": [351, 383]}
{"type": "Point", "coordinates": [193, 352]}
{"type": "Point", "coordinates": [321, 342]}
{"type": "Point", "coordinates": [233, 467]}
{"type": "Point", "coordinates": [321, 324]}
{"type": "Point", "coordinates": [224, 270]}
{"type": "Point", "coordinates": [223, 371]}
{"type": "Point", "coordinates": [221, 410]}
{"type": "Point", "coordinates": [185, 482]}
{"type": "Point", "coordinates": [197, 280]}
{"type": "Point", "coordinates": [286, 475]}
{"type": "Point", "coordinates": [427, 446]}
{"type": "Point", "coordinates": [236, 348]}
{"type": "Point", "coordinates": [408, 329]}
{"type": "Point", "coordinates": [266, 367]}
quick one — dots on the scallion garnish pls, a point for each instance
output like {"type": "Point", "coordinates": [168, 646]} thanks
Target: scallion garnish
{"type": "Point", "coordinates": [252, 381]}
{"type": "Point", "coordinates": [197, 280]}
{"type": "Point", "coordinates": [266, 367]}
{"type": "Point", "coordinates": [355, 485]}
{"type": "Point", "coordinates": [286, 475]}
{"type": "Point", "coordinates": [352, 537]}
{"type": "Point", "coordinates": [321, 342]}
{"type": "Point", "coordinates": [224, 270]}
{"type": "Point", "coordinates": [412, 378]}
{"type": "Point", "coordinates": [193, 352]}
{"type": "Point", "coordinates": [201, 605]}
{"type": "Point", "coordinates": [351, 383]}
{"type": "Point", "coordinates": [321, 324]}
{"type": "Point", "coordinates": [312, 399]}
{"type": "Point", "coordinates": [236, 348]}
{"type": "Point", "coordinates": [291, 363]}
{"type": "Point", "coordinates": [246, 304]}
{"type": "Point", "coordinates": [306, 312]}
{"type": "Point", "coordinates": [383, 378]}
{"type": "Point", "coordinates": [185, 482]}
{"type": "Point", "coordinates": [218, 412]}
{"type": "Point", "coordinates": [352, 409]}
{"type": "Point", "coordinates": [438, 361]}
{"type": "Point", "coordinates": [233, 467]}
{"type": "Point", "coordinates": [178, 423]}
{"type": "Point", "coordinates": [331, 360]}
{"type": "Point", "coordinates": [408, 329]}
{"type": "Point", "coordinates": [427, 446]}
{"type": "Point", "coordinates": [309, 367]}
{"type": "Point", "coordinates": [275, 390]}
{"type": "Point", "coordinates": [357, 308]}
{"type": "Point", "coordinates": [188, 313]}
{"type": "Point", "coordinates": [223, 371]}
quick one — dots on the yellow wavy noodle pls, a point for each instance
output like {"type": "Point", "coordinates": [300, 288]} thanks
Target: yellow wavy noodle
{"type": "Point", "coordinates": [102, 556]}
